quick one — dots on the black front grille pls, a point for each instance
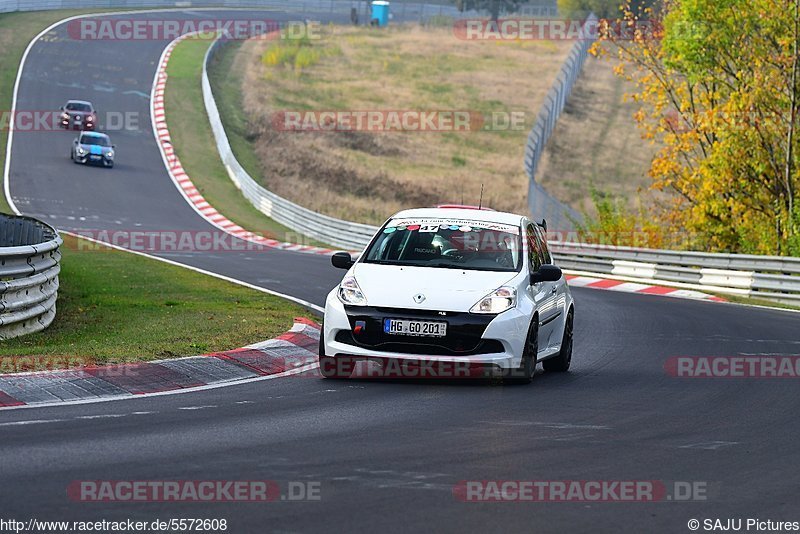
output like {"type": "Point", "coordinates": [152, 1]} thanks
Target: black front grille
{"type": "Point", "coordinates": [464, 331]}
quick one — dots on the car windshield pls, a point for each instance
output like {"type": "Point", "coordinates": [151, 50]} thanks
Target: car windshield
{"type": "Point", "coordinates": [76, 106]}
{"type": "Point", "coordinates": [95, 140]}
{"type": "Point", "coordinates": [447, 243]}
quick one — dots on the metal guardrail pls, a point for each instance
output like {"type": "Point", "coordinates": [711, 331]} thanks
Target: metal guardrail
{"type": "Point", "coordinates": [773, 278]}
{"type": "Point", "coordinates": [540, 203]}
{"type": "Point", "coordinates": [29, 267]}
{"type": "Point", "coordinates": [336, 232]}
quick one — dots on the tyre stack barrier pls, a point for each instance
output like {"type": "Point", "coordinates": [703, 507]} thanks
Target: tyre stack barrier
{"type": "Point", "coordinates": [30, 261]}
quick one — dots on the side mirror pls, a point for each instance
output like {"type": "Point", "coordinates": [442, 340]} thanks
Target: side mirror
{"type": "Point", "coordinates": [61, 108]}
{"type": "Point", "coordinates": [75, 142]}
{"type": "Point", "coordinates": [342, 260]}
{"type": "Point", "coordinates": [546, 273]}
{"type": "Point", "coordinates": [113, 146]}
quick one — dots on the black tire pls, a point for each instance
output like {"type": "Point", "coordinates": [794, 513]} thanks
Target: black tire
{"type": "Point", "coordinates": [527, 367]}
{"type": "Point", "coordinates": [560, 363]}
{"type": "Point", "coordinates": [330, 367]}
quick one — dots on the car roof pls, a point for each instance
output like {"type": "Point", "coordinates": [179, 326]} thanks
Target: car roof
{"type": "Point", "coordinates": [79, 102]}
{"type": "Point", "coordinates": [461, 213]}
{"type": "Point", "coordinates": [94, 134]}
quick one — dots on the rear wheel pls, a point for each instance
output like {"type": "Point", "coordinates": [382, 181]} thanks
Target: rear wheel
{"type": "Point", "coordinates": [561, 362]}
{"type": "Point", "coordinates": [527, 367]}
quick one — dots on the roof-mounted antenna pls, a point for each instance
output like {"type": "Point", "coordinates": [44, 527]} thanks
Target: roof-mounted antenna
{"type": "Point", "coordinates": [480, 201]}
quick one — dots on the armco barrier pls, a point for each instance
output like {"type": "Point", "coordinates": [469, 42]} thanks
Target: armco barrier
{"type": "Point", "coordinates": [29, 267]}
{"type": "Point", "coordinates": [336, 232]}
{"type": "Point", "coordinates": [773, 278]}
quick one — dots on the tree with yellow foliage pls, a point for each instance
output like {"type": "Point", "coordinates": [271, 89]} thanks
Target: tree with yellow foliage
{"type": "Point", "coordinates": [719, 89]}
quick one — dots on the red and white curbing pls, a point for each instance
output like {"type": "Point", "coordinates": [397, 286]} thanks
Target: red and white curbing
{"type": "Point", "coordinates": [292, 353]}
{"type": "Point", "coordinates": [184, 183]}
{"type": "Point", "coordinates": [635, 287]}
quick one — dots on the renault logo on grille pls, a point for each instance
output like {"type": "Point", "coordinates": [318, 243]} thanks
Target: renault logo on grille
{"type": "Point", "coordinates": [419, 297]}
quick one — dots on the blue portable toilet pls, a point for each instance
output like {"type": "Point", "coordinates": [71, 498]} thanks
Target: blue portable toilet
{"type": "Point", "coordinates": [380, 12]}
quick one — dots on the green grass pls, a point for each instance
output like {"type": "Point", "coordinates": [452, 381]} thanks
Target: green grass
{"type": "Point", "coordinates": [194, 144]}
{"type": "Point", "coordinates": [226, 85]}
{"type": "Point", "coordinates": [114, 306]}
{"type": "Point", "coordinates": [365, 177]}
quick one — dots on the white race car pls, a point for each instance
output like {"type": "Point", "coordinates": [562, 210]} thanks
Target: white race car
{"type": "Point", "coordinates": [452, 286]}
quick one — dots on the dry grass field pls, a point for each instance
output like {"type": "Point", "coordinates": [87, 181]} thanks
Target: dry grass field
{"type": "Point", "coordinates": [365, 176]}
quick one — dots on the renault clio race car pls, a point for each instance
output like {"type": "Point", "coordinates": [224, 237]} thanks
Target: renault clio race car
{"type": "Point", "coordinates": [78, 115]}
{"type": "Point", "coordinates": [451, 285]}
{"type": "Point", "coordinates": [94, 148]}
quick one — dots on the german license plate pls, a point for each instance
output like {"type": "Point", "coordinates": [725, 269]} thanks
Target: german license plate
{"type": "Point", "coordinates": [414, 328]}
{"type": "Point", "coordinates": [94, 157]}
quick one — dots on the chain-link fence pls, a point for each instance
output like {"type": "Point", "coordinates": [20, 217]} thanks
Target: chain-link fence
{"type": "Point", "coordinates": [540, 203]}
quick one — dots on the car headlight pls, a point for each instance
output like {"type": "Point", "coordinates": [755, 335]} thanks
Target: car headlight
{"type": "Point", "coordinates": [110, 154]}
{"type": "Point", "coordinates": [81, 151]}
{"type": "Point", "coordinates": [350, 293]}
{"type": "Point", "coordinates": [65, 116]}
{"type": "Point", "coordinates": [499, 300]}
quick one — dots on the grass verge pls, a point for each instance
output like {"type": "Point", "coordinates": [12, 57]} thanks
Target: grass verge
{"type": "Point", "coordinates": [194, 144]}
{"type": "Point", "coordinates": [114, 306]}
{"type": "Point", "coordinates": [754, 301]}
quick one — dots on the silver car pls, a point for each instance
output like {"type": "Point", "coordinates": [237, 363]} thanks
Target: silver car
{"type": "Point", "coordinates": [93, 148]}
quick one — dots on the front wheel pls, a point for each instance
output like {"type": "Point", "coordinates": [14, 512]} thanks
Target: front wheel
{"type": "Point", "coordinates": [341, 367]}
{"type": "Point", "coordinates": [527, 367]}
{"type": "Point", "coordinates": [561, 362]}
{"type": "Point", "coordinates": [330, 367]}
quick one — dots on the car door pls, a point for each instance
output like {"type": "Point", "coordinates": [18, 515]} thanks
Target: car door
{"type": "Point", "coordinates": [543, 293]}
{"type": "Point", "coordinates": [558, 291]}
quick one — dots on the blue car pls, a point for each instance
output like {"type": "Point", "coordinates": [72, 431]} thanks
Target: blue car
{"type": "Point", "coordinates": [93, 148]}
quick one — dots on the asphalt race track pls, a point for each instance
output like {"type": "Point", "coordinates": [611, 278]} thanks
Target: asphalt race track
{"type": "Point", "coordinates": [387, 455]}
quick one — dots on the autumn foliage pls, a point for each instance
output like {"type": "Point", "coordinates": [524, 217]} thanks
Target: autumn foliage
{"type": "Point", "coordinates": [719, 89]}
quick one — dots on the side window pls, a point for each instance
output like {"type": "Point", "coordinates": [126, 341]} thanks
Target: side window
{"type": "Point", "coordinates": [543, 245]}
{"type": "Point", "coordinates": [534, 253]}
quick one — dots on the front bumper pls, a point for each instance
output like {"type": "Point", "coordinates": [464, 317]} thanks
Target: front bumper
{"type": "Point", "coordinates": [72, 125]}
{"type": "Point", "coordinates": [88, 159]}
{"type": "Point", "coordinates": [473, 339]}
